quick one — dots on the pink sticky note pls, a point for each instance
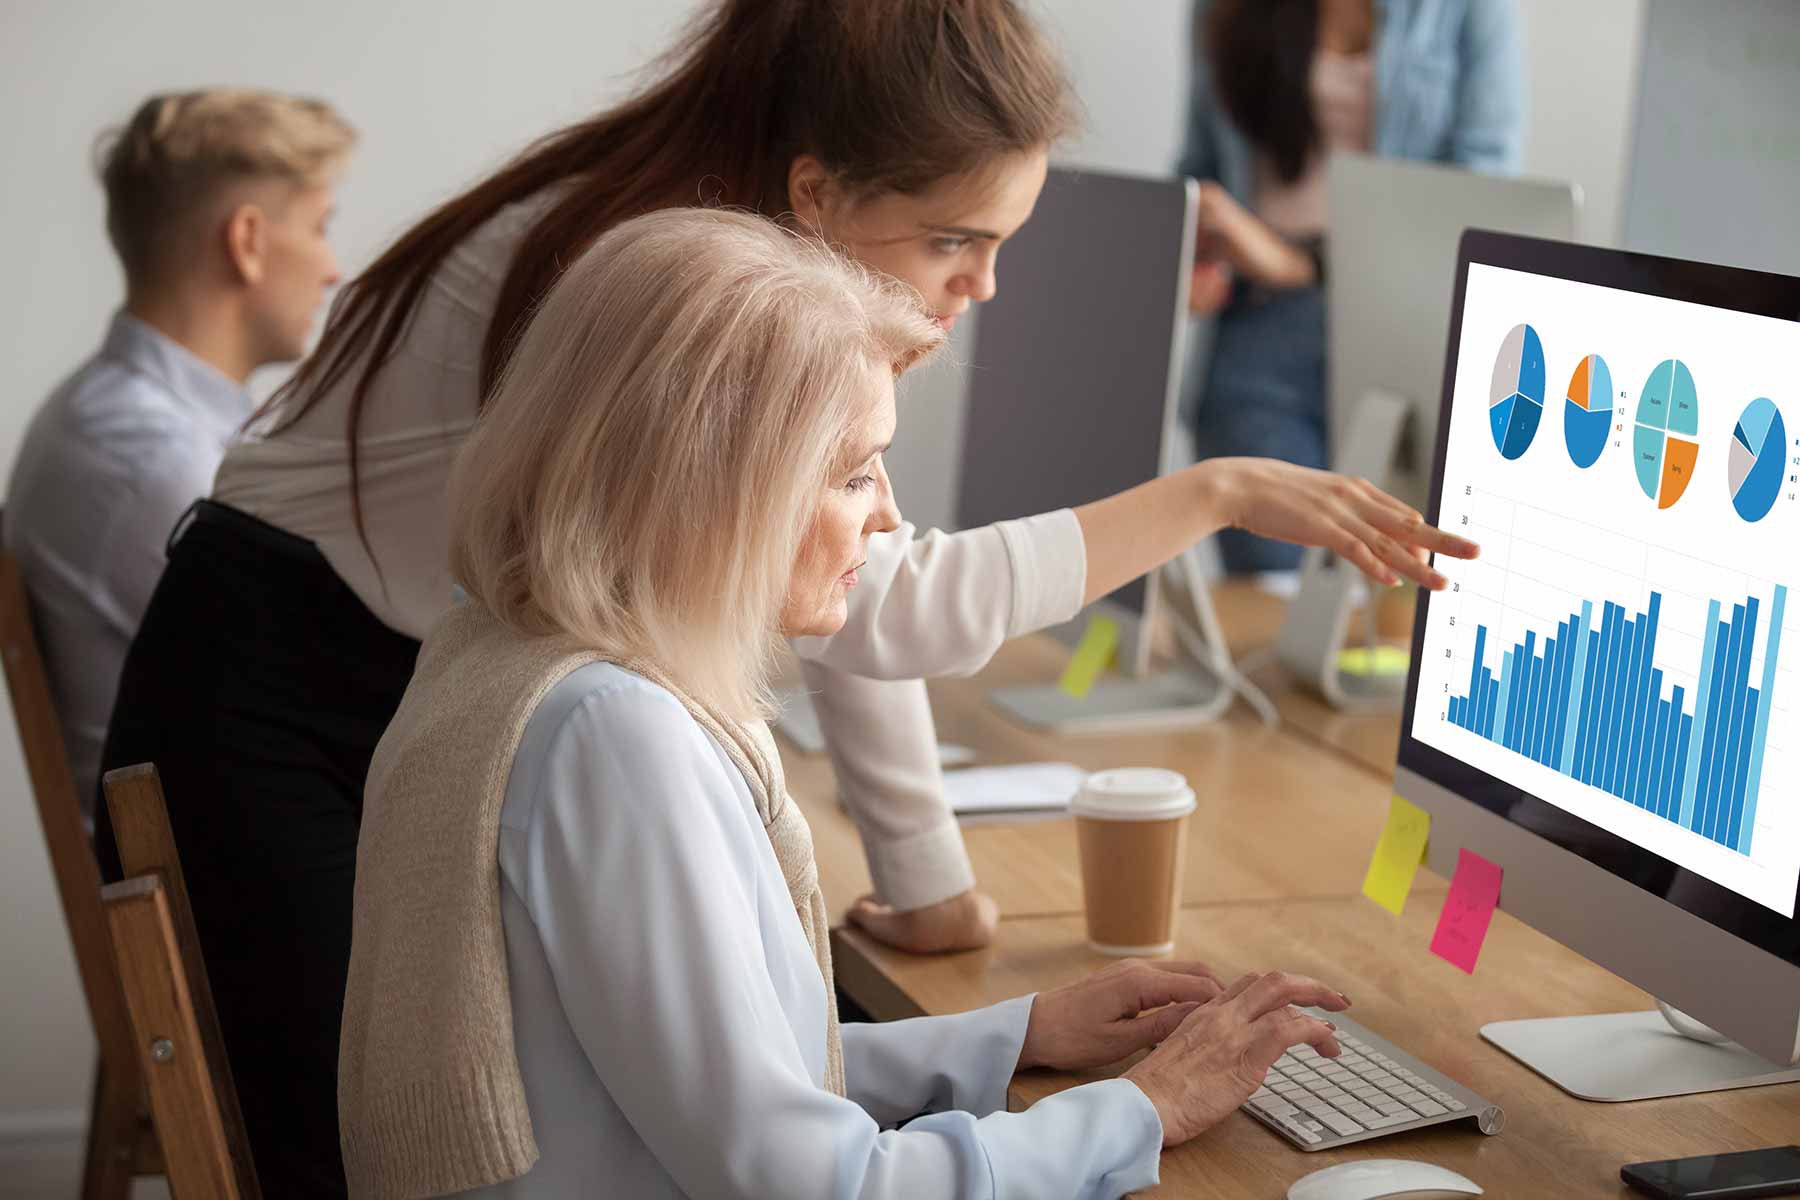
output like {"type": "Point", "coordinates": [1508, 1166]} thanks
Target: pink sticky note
{"type": "Point", "coordinates": [1468, 909]}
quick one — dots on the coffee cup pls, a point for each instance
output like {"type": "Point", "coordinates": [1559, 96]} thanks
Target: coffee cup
{"type": "Point", "coordinates": [1131, 826]}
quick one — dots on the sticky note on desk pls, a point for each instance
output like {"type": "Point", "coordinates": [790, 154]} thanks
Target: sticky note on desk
{"type": "Point", "coordinates": [1373, 660]}
{"type": "Point", "coordinates": [1397, 855]}
{"type": "Point", "coordinates": [1093, 654]}
{"type": "Point", "coordinates": [1468, 910]}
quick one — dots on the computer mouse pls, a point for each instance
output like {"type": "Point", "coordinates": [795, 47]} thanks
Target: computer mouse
{"type": "Point", "coordinates": [1379, 1178]}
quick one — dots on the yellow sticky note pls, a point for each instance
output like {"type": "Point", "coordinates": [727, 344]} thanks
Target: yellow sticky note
{"type": "Point", "coordinates": [1397, 855]}
{"type": "Point", "coordinates": [1092, 656]}
{"type": "Point", "coordinates": [1375, 660]}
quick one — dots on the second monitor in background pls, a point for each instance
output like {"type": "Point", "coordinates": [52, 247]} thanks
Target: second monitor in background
{"type": "Point", "coordinates": [1072, 397]}
{"type": "Point", "coordinates": [1390, 273]}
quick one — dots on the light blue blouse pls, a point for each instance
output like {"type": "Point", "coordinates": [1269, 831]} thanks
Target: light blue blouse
{"type": "Point", "coordinates": [1449, 87]}
{"type": "Point", "coordinates": [670, 1017]}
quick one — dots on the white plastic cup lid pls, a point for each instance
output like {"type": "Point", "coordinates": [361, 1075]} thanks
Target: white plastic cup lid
{"type": "Point", "coordinates": [1134, 794]}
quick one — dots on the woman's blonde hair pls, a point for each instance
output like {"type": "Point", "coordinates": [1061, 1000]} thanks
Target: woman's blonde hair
{"type": "Point", "coordinates": [180, 148]}
{"type": "Point", "coordinates": [643, 475]}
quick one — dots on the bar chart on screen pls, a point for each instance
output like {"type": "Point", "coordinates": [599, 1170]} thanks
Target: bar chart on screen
{"type": "Point", "coordinates": [1589, 703]}
{"type": "Point", "coordinates": [1639, 686]}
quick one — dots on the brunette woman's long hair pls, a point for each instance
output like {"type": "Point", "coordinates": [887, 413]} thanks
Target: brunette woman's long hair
{"type": "Point", "coordinates": [891, 95]}
{"type": "Point", "coordinates": [1261, 54]}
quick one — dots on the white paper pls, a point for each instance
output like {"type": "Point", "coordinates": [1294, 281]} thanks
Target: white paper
{"type": "Point", "coordinates": [1024, 787]}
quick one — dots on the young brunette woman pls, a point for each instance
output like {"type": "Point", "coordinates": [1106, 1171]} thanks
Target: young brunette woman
{"type": "Point", "coordinates": [914, 134]}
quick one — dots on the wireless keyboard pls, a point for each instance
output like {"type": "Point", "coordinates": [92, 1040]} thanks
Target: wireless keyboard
{"type": "Point", "coordinates": [1373, 1089]}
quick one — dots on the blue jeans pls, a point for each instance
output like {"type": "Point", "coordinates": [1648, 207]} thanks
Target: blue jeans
{"type": "Point", "coordinates": [1264, 395]}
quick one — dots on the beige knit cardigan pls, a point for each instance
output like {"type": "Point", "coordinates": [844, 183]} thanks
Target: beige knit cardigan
{"type": "Point", "coordinates": [430, 1100]}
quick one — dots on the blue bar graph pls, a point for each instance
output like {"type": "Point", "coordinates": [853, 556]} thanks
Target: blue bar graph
{"type": "Point", "coordinates": [1589, 704]}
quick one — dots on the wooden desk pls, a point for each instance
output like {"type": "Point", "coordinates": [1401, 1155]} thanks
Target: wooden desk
{"type": "Point", "coordinates": [1255, 786]}
{"type": "Point", "coordinates": [1553, 1144]}
{"type": "Point", "coordinates": [1252, 620]}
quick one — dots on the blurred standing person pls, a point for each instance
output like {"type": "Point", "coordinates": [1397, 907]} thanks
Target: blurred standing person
{"type": "Point", "coordinates": [1276, 86]}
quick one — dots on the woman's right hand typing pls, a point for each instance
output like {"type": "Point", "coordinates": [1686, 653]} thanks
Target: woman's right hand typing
{"type": "Point", "coordinates": [1219, 1055]}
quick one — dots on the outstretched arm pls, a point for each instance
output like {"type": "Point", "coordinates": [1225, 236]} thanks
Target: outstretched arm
{"type": "Point", "coordinates": [942, 604]}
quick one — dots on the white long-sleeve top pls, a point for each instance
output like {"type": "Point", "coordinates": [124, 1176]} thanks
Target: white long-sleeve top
{"type": "Point", "coordinates": [927, 606]}
{"type": "Point", "coordinates": [669, 1015]}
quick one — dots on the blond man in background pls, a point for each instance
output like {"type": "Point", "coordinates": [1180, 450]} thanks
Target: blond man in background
{"type": "Point", "coordinates": [217, 204]}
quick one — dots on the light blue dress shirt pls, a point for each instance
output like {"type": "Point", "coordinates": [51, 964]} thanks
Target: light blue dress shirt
{"type": "Point", "coordinates": [669, 1015]}
{"type": "Point", "coordinates": [108, 465]}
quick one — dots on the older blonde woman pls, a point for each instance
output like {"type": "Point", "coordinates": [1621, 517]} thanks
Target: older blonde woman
{"type": "Point", "coordinates": [590, 953]}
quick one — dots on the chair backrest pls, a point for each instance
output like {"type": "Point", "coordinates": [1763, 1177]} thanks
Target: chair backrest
{"type": "Point", "coordinates": [65, 833]}
{"type": "Point", "coordinates": [168, 998]}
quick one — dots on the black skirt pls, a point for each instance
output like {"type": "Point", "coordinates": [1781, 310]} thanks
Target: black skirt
{"type": "Point", "coordinates": [259, 685]}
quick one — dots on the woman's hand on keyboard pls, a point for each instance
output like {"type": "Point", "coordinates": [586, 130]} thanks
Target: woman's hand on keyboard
{"type": "Point", "coordinates": [1114, 1012]}
{"type": "Point", "coordinates": [1220, 1053]}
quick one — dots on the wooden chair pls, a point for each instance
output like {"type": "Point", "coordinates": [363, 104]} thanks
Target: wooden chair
{"type": "Point", "coordinates": [121, 1142]}
{"type": "Point", "coordinates": [176, 1028]}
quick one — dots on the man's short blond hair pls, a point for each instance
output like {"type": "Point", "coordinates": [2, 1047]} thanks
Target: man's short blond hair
{"type": "Point", "coordinates": [643, 477]}
{"type": "Point", "coordinates": [169, 162]}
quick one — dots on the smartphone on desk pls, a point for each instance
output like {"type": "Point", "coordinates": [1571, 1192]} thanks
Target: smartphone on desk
{"type": "Point", "coordinates": [1771, 1172]}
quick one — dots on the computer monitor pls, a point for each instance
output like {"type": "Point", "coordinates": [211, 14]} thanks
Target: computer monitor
{"type": "Point", "coordinates": [1072, 396]}
{"type": "Point", "coordinates": [1390, 262]}
{"type": "Point", "coordinates": [1606, 704]}
{"type": "Point", "coordinates": [1073, 385]}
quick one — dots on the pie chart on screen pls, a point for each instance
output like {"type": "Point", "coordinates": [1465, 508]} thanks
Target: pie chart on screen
{"type": "Point", "coordinates": [1758, 458]}
{"type": "Point", "coordinates": [1667, 440]}
{"type": "Point", "coordinates": [1516, 396]}
{"type": "Point", "coordinates": [1587, 411]}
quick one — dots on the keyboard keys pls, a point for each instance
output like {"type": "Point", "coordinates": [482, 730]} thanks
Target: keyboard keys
{"type": "Point", "coordinates": [1318, 1101]}
{"type": "Point", "coordinates": [1300, 1131]}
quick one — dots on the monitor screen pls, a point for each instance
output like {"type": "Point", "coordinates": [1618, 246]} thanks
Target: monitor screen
{"type": "Point", "coordinates": [1620, 669]}
{"type": "Point", "coordinates": [1072, 388]}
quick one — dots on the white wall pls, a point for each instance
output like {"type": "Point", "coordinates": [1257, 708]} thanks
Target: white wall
{"type": "Point", "coordinates": [1584, 70]}
{"type": "Point", "coordinates": [1717, 165]}
{"type": "Point", "coordinates": [441, 91]}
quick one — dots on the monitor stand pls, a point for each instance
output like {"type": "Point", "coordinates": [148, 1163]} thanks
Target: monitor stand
{"type": "Point", "coordinates": [1318, 618]}
{"type": "Point", "coordinates": [1195, 692]}
{"type": "Point", "coordinates": [1633, 1056]}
